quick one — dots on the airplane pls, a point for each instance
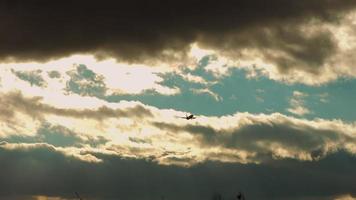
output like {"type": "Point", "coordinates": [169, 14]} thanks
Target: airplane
{"type": "Point", "coordinates": [189, 117]}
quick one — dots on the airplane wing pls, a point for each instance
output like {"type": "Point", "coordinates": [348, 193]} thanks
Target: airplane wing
{"type": "Point", "coordinates": [181, 117]}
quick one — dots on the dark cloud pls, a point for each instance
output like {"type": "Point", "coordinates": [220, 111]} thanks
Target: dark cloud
{"type": "Point", "coordinates": [284, 44]}
{"type": "Point", "coordinates": [43, 171]}
{"type": "Point", "coordinates": [136, 30]}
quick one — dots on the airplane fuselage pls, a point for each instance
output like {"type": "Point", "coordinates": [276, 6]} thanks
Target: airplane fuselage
{"type": "Point", "coordinates": [190, 117]}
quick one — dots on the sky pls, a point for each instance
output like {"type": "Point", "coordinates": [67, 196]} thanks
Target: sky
{"type": "Point", "coordinates": [93, 96]}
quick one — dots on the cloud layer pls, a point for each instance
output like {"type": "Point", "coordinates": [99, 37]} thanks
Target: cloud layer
{"type": "Point", "coordinates": [298, 37]}
{"type": "Point", "coordinates": [141, 131]}
{"type": "Point", "coordinates": [107, 150]}
{"type": "Point", "coordinates": [49, 173]}
{"type": "Point", "coordinates": [134, 29]}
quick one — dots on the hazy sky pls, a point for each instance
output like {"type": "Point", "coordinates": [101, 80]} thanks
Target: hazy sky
{"type": "Point", "coordinates": [92, 95]}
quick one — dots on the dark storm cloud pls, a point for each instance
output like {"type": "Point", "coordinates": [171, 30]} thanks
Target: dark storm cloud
{"type": "Point", "coordinates": [43, 171]}
{"type": "Point", "coordinates": [136, 30]}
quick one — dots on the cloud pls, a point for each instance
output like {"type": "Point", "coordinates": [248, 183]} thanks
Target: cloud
{"type": "Point", "coordinates": [208, 92]}
{"type": "Point", "coordinates": [294, 37]}
{"type": "Point", "coordinates": [86, 76]}
{"type": "Point", "coordinates": [56, 135]}
{"type": "Point", "coordinates": [54, 74]}
{"type": "Point", "coordinates": [324, 97]}
{"type": "Point", "coordinates": [33, 107]}
{"type": "Point", "coordinates": [297, 106]}
{"type": "Point", "coordinates": [140, 131]}
{"type": "Point", "coordinates": [217, 65]}
{"type": "Point", "coordinates": [261, 137]}
{"type": "Point", "coordinates": [107, 150]}
{"type": "Point", "coordinates": [317, 52]}
{"type": "Point", "coordinates": [41, 171]}
{"type": "Point", "coordinates": [132, 33]}
{"type": "Point", "coordinates": [76, 153]}
{"type": "Point", "coordinates": [85, 82]}
{"type": "Point", "coordinates": [194, 79]}
{"type": "Point", "coordinates": [33, 77]}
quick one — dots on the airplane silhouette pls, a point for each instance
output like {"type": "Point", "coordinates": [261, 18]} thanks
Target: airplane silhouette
{"type": "Point", "coordinates": [189, 117]}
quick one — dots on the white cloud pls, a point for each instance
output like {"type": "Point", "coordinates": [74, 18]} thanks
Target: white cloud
{"type": "Point", "coordinates": [208, 92]}
{"type": "Point", "coordinates": [195, 79]}
{"type": "Point", "coordinates": [219, 66]}
{"type": "Point", "coordinates": [324, 97]}
{"type": "Point", "coordinates": [118, 78]}
{"type": "Point", "coordinates": [297, 106]}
